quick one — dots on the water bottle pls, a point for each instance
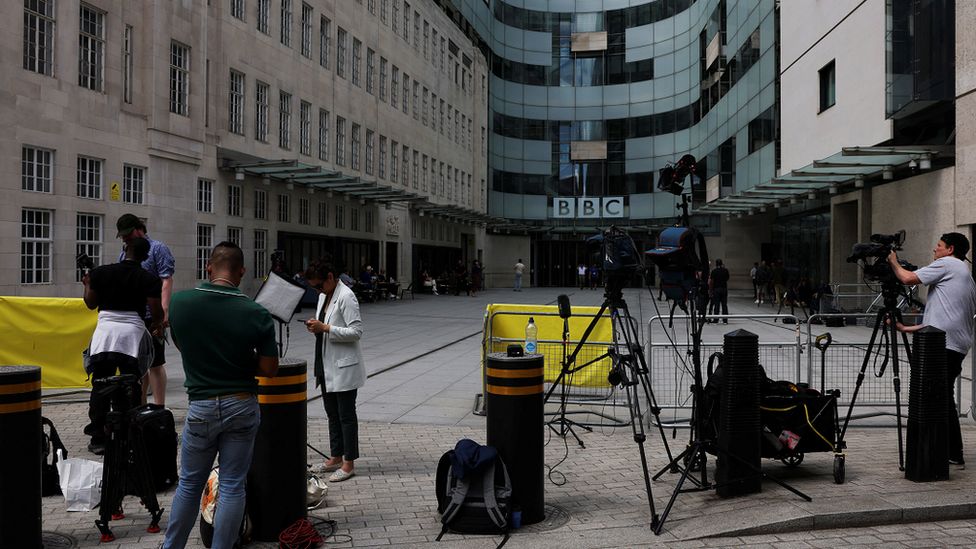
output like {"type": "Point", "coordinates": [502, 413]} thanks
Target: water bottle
{"type": "Point", "coordinates": [531, 336]}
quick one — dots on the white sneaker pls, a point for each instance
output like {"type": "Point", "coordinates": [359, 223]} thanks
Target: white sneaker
{"type": "Point", "coordinates": [757, 302]}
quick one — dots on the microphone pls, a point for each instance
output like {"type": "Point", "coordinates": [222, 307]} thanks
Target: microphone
{"type": "Point", "coordinates": [564, 308]}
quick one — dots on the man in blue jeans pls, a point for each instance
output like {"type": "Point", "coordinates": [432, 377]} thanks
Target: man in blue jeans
{"type": "Point", "coordinates": [226, 339]}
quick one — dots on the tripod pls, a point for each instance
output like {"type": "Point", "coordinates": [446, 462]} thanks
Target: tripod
{"type": "Point", "coordinates": [886, 323]}
{"type": "Point", "coordinates": [562, 425]}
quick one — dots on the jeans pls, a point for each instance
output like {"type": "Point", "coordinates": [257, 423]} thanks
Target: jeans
{"type": "Point", "coordinates": [953, 369]}
{"type": "Point", "coordinates": [720, 298]}
{"type": "Point", "coordinates": [518, 281]}
{"type": "Point", "coordinates": [340, 407]}
{"type": "Point", "coordinates": [224, 426]}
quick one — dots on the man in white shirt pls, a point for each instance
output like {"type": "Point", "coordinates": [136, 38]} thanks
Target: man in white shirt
{"type": "Point", "coordinates": [519, 269]}
{"type": "Point", "coordinates": [950, 307]}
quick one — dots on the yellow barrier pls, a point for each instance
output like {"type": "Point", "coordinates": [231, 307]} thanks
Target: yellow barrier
{"type": "Point", "coordinates": [50, 332]}
{"type": "Point", "coordinates": [507, 322]}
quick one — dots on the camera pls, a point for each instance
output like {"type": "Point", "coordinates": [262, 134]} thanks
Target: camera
{"type": "Point", "coordinates": [873, 256]}
{"type": "Point", "coordinates": [617, 252]}
{"type": "Point", "coordinates": [84, 262]}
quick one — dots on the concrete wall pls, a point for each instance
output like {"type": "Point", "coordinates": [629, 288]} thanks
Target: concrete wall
{"type": "Point", "coordinates": [501, 253]}
{"type": "Point", "coordinates": [965, 185]}
{"type": "Point", "coordinates": [739, 246]}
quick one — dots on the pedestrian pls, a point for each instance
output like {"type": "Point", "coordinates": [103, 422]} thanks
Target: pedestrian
{"type": "Point", "coordinates": [752, 277]}
{"type": "Point", "coordinates": [519, 269]}
{"type": "Point", "coordinates": [720, 290]}
{"type": "Point", "coordinates": [162, 264]}
{"type": "Point", "coordinates": [461, 278]}
{"type": "Point", "coordinates": [339, 367]}
{"type": "Point", "coordinates": [594, 276]}
{"type": "Point", "coordinates": [950, 307]}
{"type": "Point", "coordinates": [762, 281]}
{"type": "Point", "coordinates": [581, 275]}
{"type": "Point", "coordinates": [779, 281]}
{"type": "Point", "coordinates": [225, 339]}
{"type": "Point", "coordinates": [121, 292]}
{"type": "Point", "coordinates": [476, 276]}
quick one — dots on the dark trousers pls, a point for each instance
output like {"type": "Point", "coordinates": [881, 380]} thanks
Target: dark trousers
{"type": "Point", "coordinates": [755, 289]}
{"type": "Point", "coordinates": [720, 298]}
{"type": "Point", "coordinates": [953, 369]}
{"type": "Point", "coordinates": [343, 424]}
{"type": "Point", "coordinates": [99, 403]}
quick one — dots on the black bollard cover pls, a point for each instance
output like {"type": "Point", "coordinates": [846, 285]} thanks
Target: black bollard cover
{"type": "Point", "coordinates": [514, 402]}
{"type": "Point", "coordinates": [20, 469]}
{"type": "Point", "coordinates": [927, 448]}
{"type": "Point", "coordinates": [739, 442]}
{"type": "Point", "coordinates": [277, 482]}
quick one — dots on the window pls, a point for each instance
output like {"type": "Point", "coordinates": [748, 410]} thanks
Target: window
{"type": "Point", "coordinates": [284, 208]}
{"type": "Point", "coordinates": [205, 192]}
{"type": "Point", "coordinates": [35, 246]}
{"type": "Point", "coordinates": [406, 94]}
{"type": "Point", "coordinates": [369, 152]}
{"type": "Point", "coordinates": [179, 78]}
{"type": "Point", "coordinates": [433, 111]}
{"type": "Point", "coordinates": [261, 112]}
{"type": "Point", "coordinates": [762, 130]}
{"type": "Point", "coordinates": [416, 100]}
{"type": "Point", "coordinates": [354, 219]}
{"type": "Point", "coordinates": [426, 40]}
{"type": "Point", "coordinates": [450, 182]}
{"type": "Point", "coordinates": [433, 48]}
{"type": "Point", "coordinates": [433, 176]}
{"type": "Point", "coordinates": [406, 22]}
{"type": "Point", "coordinates": [357, 59]}
{"type": "Point", "coordinates": [204, 245]}
{"type": "Point", "coordinates": [396, 16]}
{"type": "Point", "coordinates": [416, 31]}
{"type": "Point", "coordinates": [264, 6]}
{"type": "Point", "coordinates": [237, 9]}
{"type": "Point", "coordinates": [305, 128]}
{"type": "Point", "coordinates": [405, 166]}
{"type": "Point", "coordinates": [234, 235]}
{"type": "Point", "coordinates": [306, 30]}
{"type": "Point", "coordinates": [236, 103]}
{"type": "Point", "coordinates": [260, 204]}
{"type": "Point", "coordinates": [325, 41]}
{"type": "Point", "coordinates": [442, 54]}
{"type": "Point", "coordinates": [341, 53]}
{"type": "Point", "coordinates": [286, 16]}
{"type": "Point", "coordinates": [370, 68]}
{"type": "Point", "coordinates": [828, 92]}
{"type": "Point", "coordinates": [260, 253]}
{"type": "Point", "coordinates": [89, 177]}
{"type": "Point", "coordinates": [284, 120]}
{"type": "Point", "coordinates": [368, 216]}
{"type": "Point", "coordinates": [395, 88]}
{"type": "Point", "coordinates": [441, 118]}
{"type": "Point", "coordinates": [36, 169]}
{"type": "Point", "coordinates": [340, 141]}
{"type": "Point", "coordinates": [440, 180]}
{"type": "Point", "coordinates": [423, 185]}
{"type": "Point", "coordinates": [303, 211]}
{"type": "Point", "coordinates": [91, 48]}
{"type": "Point", "coordinates": [323, 214]}
{"type": "Point", "coordinates": [340, 218]}
{"type": "Point", "coordinates": [133, 184]}
{"type": "Point", "coordinates": [416, 168]}
{"type": "Point", "coordinates": [384, 7]}
{"type": "Point", "coordinates": [234, 200]}
{"type": "Point", "coordinates": [127, 64]}
{"type": "Point", "coordinates": [394, 160]}
{"type": "Point", "coordinates": [355, 146]}
{"type": "Point", "coordinates": [381, 168]}
{"type": "Point", "coordinates": [450, 123]}
{"type": "Point", "coordinates": [39, 37]}
{"type": "Point", "coordinates": [88, 234]}
{"type": "Point", "coordinates": [323, 134]}
{"type": "Point", "coordinates": [484, 142]}
{"type": "Point", "coordinates": [382, 79]}
{"type": "Point", "coordinates": [371, 6]}
{"type": "Point", "coordinates": [423, 111]}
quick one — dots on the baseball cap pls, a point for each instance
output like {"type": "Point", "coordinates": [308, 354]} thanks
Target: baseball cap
{"type": "Point", "coordinates": [128, 223]}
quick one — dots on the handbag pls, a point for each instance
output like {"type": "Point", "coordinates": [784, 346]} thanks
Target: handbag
{"type": "Point", "coordinates": [315, 492]}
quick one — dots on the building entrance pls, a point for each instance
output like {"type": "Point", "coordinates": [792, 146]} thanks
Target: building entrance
{"type": "Point", "coordinates": [555, 262]}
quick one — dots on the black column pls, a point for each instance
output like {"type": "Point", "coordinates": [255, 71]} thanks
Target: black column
{"type": "Point", "coordinates": [739, 442]}
{"type": "Point", "coordinates": [927, 452]}
{"type": "Point", "coordinates": [20, 462]}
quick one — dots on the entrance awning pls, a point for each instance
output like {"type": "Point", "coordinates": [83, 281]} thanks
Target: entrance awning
{"type": "Point", "coordinates": [851, 168]}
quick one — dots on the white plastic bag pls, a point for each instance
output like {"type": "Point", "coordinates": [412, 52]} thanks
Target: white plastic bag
{"type": "Point", "coordinates": [81, 483]}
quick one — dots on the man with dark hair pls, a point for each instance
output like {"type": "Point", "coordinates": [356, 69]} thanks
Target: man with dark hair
{"type": "Point", "coordinates": [226, 339]}
{"type": "Point", "coordinates": [121, 292]}
{"type": "Point", "coordinates": [720, 290]}
{"type": "Point", "coordinates": [160, 263]}
{"type": "Point", "coordinates": [950, 307]}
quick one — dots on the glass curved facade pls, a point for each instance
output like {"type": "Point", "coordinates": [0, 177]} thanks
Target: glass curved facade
{"type": "Point", "coordinates": [591, 98]}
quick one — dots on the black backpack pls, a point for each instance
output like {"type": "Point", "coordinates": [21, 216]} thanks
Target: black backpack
{"type": "Point", "coordinates": [480, 503]}
{"type": "Point", "coordinates": [50, 446]}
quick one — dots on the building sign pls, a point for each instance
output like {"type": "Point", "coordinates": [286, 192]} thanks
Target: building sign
{"type": "Point", "coordinates": [588, 207]}
{"type": "Point", "coordinates": [115, 192]}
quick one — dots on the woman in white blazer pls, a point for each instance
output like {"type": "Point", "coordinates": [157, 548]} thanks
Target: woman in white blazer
{"type": "Point", "coordinates": [339, 366]}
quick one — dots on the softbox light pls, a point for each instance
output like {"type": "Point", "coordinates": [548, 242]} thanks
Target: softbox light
{"type": "Point", "coordinates": [280, 296]}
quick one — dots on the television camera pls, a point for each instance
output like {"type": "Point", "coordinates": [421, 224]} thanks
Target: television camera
{"type": "Point", "coordinates": [873, 256]}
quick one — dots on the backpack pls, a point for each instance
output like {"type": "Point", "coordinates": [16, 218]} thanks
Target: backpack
{"type": "Point", "coordinates": [480, 501]}
{"type": "Point", "coordinates": [52, 451]}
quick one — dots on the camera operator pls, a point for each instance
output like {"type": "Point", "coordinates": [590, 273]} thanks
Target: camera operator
{"type": "Point", "coordinates": [950, 307]}
{"type": "Point", "coordinates": [120, 292]}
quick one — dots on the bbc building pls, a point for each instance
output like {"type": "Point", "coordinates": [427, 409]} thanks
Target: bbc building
{"type": "Point", "coordinates": [411, 135]}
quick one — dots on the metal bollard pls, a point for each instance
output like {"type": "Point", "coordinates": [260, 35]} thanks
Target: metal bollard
{"type": "Point", "coordinates": [20, 469]}
{"type": "Point", "coordinates": [515, 426]}
{"type": "Point", "coordinates": [927, 445]}
{"type": "Point", "coordinates": [739, 442]}
{"type": "Point", "coordinates": [277, 481]}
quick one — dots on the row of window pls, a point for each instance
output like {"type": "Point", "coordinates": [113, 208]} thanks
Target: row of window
{"type": "Point", "coordinates": [550, 21]}
{"type": "Point", "coordinates": [37, 175]}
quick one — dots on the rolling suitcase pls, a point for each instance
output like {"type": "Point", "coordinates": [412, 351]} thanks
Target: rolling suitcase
{"type": "Point", "coordinates": [154, 428]}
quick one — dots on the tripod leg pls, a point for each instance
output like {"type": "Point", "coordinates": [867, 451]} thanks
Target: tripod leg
{"type": "Point", "coordinates": [878, 323]}
{"type": "Point", "coordinates": [896, 380]}
{"type": "Point", "coordinates": [694, 449]}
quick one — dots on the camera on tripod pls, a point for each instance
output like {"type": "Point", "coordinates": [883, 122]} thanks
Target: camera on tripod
{"type": "Point", "coordinates": [873, 256]}
{"type": "Point", "coordinates": [618, 254]}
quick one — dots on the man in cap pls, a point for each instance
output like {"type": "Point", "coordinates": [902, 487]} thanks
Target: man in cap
{"type": "Point", "coordinates": [161, 264]}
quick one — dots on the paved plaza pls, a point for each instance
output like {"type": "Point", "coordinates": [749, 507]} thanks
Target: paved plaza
{"type": "Point", "coordinates": [423, 356]}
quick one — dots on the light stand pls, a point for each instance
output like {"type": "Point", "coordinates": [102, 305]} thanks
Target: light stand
{"type": "Point", "coordinates": [561, 425]}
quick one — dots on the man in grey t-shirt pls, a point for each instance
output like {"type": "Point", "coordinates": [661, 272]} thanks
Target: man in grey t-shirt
{"type": "Point", "coordinates": [950, 307]}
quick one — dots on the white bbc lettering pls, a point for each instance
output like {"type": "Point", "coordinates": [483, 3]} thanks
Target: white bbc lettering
{"type": "Point", "coordinates": [588, 208]}
{"type": "Point", "coordinates": [613, 206]}
{"type": "Point", "coordinates": [563, 207]}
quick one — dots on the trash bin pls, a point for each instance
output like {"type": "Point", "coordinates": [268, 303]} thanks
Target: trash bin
{"type": "Point", "coordinates": [20, 470]}
{"type": "Point", "coordinates": [514, 403]}
{"type": "Point", "coordinates": [277, 481]}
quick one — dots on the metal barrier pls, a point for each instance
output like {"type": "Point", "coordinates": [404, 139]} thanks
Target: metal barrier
{"type": "Point", "coordinates": [670, 363]}
{"type": "Point", "coordinates": [853, 298]}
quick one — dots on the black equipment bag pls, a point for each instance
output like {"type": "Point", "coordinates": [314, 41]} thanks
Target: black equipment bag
{"type": "Point", "coordinates": [480, 503]}
{"type": "Point", "coordinates": [51, 445]}
{"type": "Point", "coordinates": [806, 413]}
{"type": "Point", "coordinates": [154, 426]}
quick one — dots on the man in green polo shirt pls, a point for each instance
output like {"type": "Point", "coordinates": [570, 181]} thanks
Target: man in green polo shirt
{"type": "Point", "coordinates": [226, 339]}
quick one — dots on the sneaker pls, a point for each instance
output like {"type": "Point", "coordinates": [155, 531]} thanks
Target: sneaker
{"type": "Point", "coordinates": [958, 464]}
{"type": "Point", "coordinates": [757, 302]}
{"type": "Point", "coordinates": [96, 448]}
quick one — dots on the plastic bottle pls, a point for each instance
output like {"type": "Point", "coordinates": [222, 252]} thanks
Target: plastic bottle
{"type": "Point", "coordinates": [531, 337]}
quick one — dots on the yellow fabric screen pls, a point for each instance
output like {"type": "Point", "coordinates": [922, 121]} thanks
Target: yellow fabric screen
{"type": "Point", "coordinates": [50, 332]}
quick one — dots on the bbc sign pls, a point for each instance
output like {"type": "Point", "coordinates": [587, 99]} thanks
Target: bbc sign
{"type": "Point", "coordinates": [588, 207]}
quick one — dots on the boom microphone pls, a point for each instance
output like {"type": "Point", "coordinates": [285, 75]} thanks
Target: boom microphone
{"type": "Point", "coordinates": [564, 309]}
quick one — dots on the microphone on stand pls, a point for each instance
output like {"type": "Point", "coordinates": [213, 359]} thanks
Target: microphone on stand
{"type": "Point", "coordinates": [564, 309]}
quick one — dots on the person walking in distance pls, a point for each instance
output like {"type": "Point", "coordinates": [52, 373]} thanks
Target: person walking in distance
{"type": "Point", "coordinates": [779, 281]}
{"type": "Point", "coordinates": [720, 290]}
{"type": "Point", "coordinates": [226, 339]}
{"type": "Point", "coordinates": [581, 275]}
{"type": "Point", "coordinates": [950, 306]}
{"type": "Point", "coordinates": [762, 281]}
{"type": "Point", "coordinates": [755, 285]}
{"type": "Point", "coordinates": [519, 269]}
{"type": "Point", "coordinates": [160, 263]}
{"type": "Point", "coordinates": [339, 366]}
